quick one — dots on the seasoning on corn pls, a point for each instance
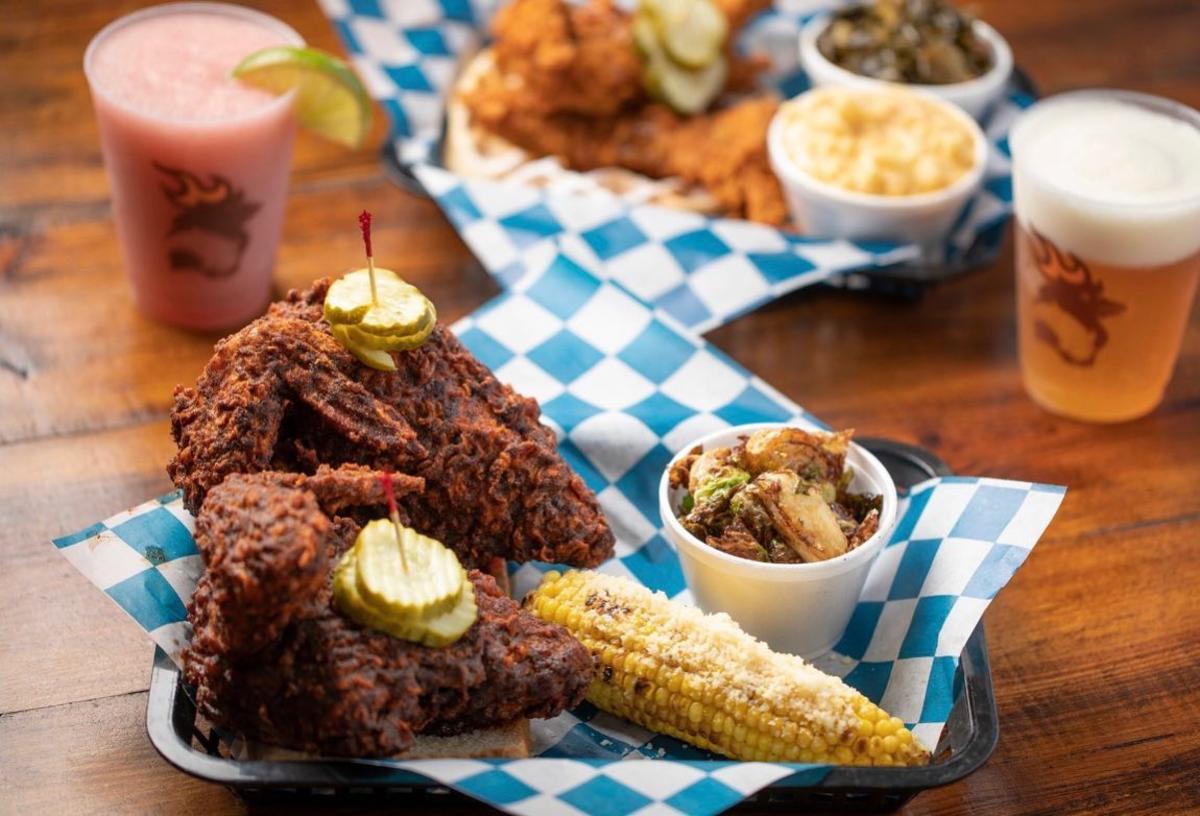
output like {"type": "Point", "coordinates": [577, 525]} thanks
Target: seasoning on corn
{"type": "Point", "coordinates": [700, 678]}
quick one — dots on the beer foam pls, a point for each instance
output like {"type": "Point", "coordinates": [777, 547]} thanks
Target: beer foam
{"type": "Point", "coordinates": [1109, 179]}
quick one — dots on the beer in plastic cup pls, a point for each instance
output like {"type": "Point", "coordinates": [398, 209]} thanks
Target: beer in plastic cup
{"type": "Point", "coordinates": [1107, 198]}
{"type": "Point", "coordinates": [198, 163]}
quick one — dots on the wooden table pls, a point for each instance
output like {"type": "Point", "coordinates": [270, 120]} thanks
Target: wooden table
{"type": "Point", "coordinates": [1095, 645]}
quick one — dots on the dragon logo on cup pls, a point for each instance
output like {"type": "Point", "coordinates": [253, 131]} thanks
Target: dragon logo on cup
{"type": "Point", "coordinates": [208, 233]}
{"type": "Point", "coordinates": [1069, 285]}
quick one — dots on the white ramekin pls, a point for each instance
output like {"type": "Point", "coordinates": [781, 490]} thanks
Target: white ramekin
{"type": "Point", "coordinates": [824, 210]}
{"type": "Point", "coordinates": [975, 96]}
{"type": "Point", "coordinates": [801, 609]}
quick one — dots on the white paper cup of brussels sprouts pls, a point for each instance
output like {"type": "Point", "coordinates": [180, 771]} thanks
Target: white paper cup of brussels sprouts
{"type": "Point", "coordinates": [800, 608]}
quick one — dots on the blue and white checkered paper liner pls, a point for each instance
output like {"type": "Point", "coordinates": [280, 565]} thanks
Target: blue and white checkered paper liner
{"type": "Point", "coordinates": [701, 271]}
{"type": "Point", "coordinates": [624, 387]}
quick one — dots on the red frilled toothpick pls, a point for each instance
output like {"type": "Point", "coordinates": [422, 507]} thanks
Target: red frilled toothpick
{"type": "Point", "coordinates": [364, 224]}
{"type": "Point", "coordinates": [386, 478]}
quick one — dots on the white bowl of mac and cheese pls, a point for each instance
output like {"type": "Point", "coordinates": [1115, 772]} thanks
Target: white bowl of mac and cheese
{"type": "Point", "coordinates": [876, 164]}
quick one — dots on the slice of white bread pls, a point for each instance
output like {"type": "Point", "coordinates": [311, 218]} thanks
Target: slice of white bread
{"type": "Point", "coordinates": [472, 151]}
{"type": "Point", "coordinates": [508, 741]}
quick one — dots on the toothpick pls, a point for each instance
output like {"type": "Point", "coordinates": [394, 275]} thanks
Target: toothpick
{"type": "Point", "coordinates": [364, 224]}
{"type": "Point", "coordinates": [394, 515]}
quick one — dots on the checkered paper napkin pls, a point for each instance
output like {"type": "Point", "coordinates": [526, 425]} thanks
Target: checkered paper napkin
{"type": "Point", "coordinates": [625, 386]}
{"type": "Point", "coordinates": [701, 271]}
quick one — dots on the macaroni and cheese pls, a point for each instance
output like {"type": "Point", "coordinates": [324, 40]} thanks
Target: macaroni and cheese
{"type": "Point", "coordinates": [885, 142]}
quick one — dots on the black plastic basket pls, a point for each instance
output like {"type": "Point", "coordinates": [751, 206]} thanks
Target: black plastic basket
{"type": "Point", "coordinates": [195, 747]}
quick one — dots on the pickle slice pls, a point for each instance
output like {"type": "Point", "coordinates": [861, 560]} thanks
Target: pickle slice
{"type": "Point", "coordinates": [423, 583]}
{"type": "Point", "coordinates": [389, 342]}
{"type": "Point", "coordinates": [401, 309]}
{"type": "Point", "coordinates": [691, 31]}
{"type": "Point", "coordinates": [440, 630]}
{"type": "Point", "coordinates": [436, 631]}
{"type": "Point", "coordinates": [352, 603]}
{"type": "Point", "coordinates": [687, 92]}
{"type": "Point", "coordinates": [450, 626]}
{"type": "Point", "coordinates": [345, 590]}
{"type": "Point", "coordinates": [375, 358]}
{"type": "Point", "coordinates": [645, 35]}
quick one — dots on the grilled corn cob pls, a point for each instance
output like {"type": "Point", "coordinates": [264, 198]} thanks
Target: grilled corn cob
{"type": "Point", "coordinates": [700, 678]}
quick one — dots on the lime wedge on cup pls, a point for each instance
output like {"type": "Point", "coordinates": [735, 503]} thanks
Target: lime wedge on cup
{"type": "Point", "coordinates": [330, 99]}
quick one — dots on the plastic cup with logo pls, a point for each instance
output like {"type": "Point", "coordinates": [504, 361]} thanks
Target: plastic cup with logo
{"type": "Point", "coordinates": [1107, 198]}
{"type": "Point", "coordinates": [198, 162]}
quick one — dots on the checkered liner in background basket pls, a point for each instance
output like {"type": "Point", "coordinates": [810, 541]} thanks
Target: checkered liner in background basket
{"type": "Point", "coordinates": [625, 386]}
{"type": "Point", "coordinates": [700, 271]}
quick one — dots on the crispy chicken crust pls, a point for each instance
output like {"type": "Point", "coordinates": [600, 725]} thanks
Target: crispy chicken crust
{"type": "Point", "coordinates": [273, 658]}
{"type": "Point", "coordinates": [282, 394]}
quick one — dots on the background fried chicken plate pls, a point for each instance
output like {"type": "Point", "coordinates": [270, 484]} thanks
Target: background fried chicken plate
{"type": "Point", "coordinates": [282, 394]}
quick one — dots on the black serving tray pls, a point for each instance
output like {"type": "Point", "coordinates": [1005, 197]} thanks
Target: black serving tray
{"type": "Point", "coordinates": [195, 747]}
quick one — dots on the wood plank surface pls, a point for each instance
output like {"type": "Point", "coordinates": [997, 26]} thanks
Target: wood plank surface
{"type": "Point", "coordinates": [1095, 645]}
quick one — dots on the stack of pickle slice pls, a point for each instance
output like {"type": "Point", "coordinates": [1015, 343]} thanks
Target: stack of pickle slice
{"type": "Point", "coordinates": [396, 316]}
{"type": "Point", "coordinates": [405, 584]}
{"type": "Point", "coordinates": [681, 43]}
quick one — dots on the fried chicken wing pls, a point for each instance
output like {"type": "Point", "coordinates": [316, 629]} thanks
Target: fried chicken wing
{"type": "Point", "coordinates": [273, 658]}
{"type": "Point", "coordinates": [230, 422]}
{"type": "Point", "coordinates": [282, 394]}
{"type": "Point", "coordinates": [265, 547]}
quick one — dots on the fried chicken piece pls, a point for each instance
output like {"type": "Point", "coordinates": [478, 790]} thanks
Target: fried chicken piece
{"type": "Point", "coordinates": [273, 658]}
{"type": "Point", "coordinates": [495, 484]}
{"type": "Point", "coordinates": [577, 59]}
{"type": "Point", "coordinates": [726, 153]}
{"type": "Point", "coordinates": [266, 551]}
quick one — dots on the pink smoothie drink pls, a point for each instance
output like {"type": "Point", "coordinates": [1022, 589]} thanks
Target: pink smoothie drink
{"type": "Point", "coordinates": [198, 163]}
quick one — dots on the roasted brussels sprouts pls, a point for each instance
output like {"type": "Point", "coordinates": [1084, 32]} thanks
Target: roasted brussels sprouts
{"type": "Point", "coordinates": [781, 495]}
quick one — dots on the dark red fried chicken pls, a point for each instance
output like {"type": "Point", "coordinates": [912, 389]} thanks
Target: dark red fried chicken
{"type": "Point", "coordinates": [282, 394]}
{"type": "Point", "coordinates": [273, 658]}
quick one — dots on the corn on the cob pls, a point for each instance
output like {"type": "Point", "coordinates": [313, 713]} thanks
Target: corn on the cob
{"type": "Point", "coordinates": [700, 678]}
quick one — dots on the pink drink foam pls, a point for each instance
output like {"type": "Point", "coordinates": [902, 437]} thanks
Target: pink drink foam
{"type": "Point", "coordinates": [178, 66]}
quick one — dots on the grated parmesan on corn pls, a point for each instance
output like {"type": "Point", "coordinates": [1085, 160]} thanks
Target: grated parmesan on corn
{"type": "Point", "coordinates": [700, 678]}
